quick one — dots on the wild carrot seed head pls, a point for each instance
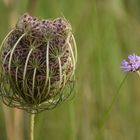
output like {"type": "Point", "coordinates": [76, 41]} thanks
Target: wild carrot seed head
{"type": "Point", "coordinates": [38, 64]}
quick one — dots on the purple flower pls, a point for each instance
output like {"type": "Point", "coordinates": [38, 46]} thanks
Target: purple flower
{"type": "Point", "coordinates": [132, 64]}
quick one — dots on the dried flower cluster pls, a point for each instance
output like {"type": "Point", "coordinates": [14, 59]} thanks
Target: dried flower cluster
{"type": "Point", "coordinates": [38, 60]}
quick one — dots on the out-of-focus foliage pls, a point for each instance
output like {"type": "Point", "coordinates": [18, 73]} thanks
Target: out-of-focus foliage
{"type": "Point", "coordinates": [106, 31]}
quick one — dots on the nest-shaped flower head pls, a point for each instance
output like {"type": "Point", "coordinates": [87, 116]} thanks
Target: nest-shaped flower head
{"type": "Point", "coordinates": [38, 60]}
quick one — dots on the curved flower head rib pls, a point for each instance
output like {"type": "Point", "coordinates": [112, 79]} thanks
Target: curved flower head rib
{"type": "Point", "coordinates": [132, 64]}
{"type": "Point", "coordinates": [38, 63]}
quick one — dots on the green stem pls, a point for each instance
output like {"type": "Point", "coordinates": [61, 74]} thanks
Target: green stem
{"type": "Point", "coordinates": [138, 72]}
{"type": "Point", "coordinates": [32, 116]}
{"type": "Point", "coordinates": [72, 122]}
{"type": "Point", "coordinates": [107, 113]}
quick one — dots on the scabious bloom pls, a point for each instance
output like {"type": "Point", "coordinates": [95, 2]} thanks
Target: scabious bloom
{"type": "Point", "coordinates": [38, 59]}
{"type": "Point", "coordinates": [132, 64]}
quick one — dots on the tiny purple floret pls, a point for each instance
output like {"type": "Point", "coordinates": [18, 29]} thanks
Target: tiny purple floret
{"type": "Point", "coordinates": [132, 64]}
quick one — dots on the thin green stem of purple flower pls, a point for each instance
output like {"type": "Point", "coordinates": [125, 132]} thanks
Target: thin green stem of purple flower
{"type": "Point", "coordinates": [107, 113]}
{"type": "Point", "coordinates": [138, 72]}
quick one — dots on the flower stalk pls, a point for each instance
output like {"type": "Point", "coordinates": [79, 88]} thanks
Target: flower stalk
{"type": "Point", "coordinates": [138, 72]}
{"type": "Point", "coordinates": [32, 121]}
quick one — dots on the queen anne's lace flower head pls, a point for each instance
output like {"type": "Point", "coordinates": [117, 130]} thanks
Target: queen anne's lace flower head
{"type": "Point", "coordinates": [38, 63]}
{"type": "Point", "coordinates": [132, 64]}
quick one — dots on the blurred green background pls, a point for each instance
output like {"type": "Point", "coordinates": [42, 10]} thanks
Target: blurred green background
{"type": "Point", "coordinates": [106, 31]}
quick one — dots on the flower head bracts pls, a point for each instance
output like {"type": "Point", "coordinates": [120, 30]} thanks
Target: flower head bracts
{"type": "Point", "coordinates": [132, 64]}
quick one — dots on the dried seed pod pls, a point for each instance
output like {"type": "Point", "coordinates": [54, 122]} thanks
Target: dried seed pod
{"type": "Point", "coordinates": [38, 60]}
